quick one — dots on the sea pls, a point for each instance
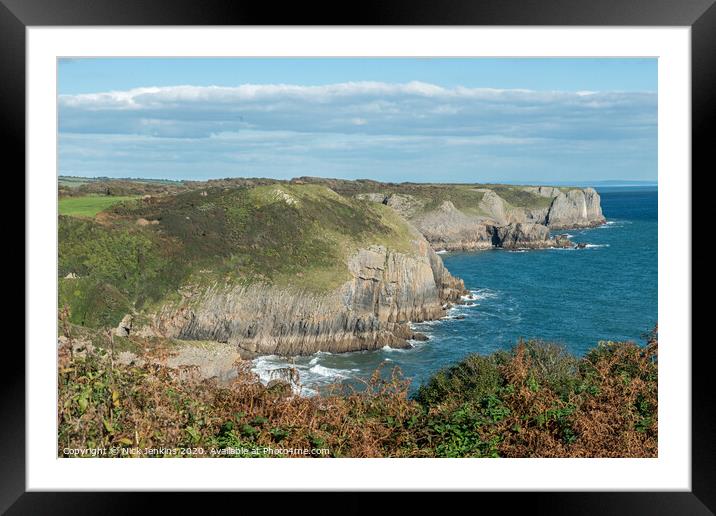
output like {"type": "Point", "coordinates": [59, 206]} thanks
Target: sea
{"type": "Point", "coordinates": [573, 297]}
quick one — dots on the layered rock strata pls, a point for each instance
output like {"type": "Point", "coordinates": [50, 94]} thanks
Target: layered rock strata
{"type": "Point", "coordinates": [496, 223]}
{"type": "Point", "coordinates": [386, 292]}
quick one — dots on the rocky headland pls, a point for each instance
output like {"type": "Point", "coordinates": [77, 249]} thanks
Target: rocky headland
{"type": "Point", "coordinates": [293, 268]}
{"type": "Point", "coordinates": [492, 221]}
{"type": "Point", "coordinates": [271, 269]}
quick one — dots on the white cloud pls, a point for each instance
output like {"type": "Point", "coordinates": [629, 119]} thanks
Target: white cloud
{"type": "Point", "coordinates": [194, 110]}
{"type": "Point", "coordinates": [342, 127]}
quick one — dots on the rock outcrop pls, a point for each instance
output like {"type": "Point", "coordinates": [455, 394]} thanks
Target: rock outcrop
{"type": "Point", "coordinates": [124, 327]}
{"type": "Point", "coordinates": [496, 223]}
{"type": "Point", "coordinates": [450, 229]}
{"type": "Point", "coordinates": [575, 209]}
{"type": "Point", "coordinates": [494, 206]}
{"type": "Point", "coordinates": [522, 235]}
{"type": "Point", "coordinates": [386, 292]}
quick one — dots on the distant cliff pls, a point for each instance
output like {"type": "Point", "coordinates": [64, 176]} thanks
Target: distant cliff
{"type": "Point", "coordinates": [508, 226]}
{"type": "Point", "coordinates": [469, 217]}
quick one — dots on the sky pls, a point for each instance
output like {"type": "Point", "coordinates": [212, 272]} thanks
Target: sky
{"type": "Point", "coordinates": [536, 120]}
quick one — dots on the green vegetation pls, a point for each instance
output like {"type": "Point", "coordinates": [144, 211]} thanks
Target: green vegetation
{"type": "Point", "coordinates": [535, 400]}
{"type": "Point", "coordinates": [70, 186]}
{"type": "Point", "coordinates": [71, 181]}
{"type": "Point", "coordinates": [106, 270]}
{"type": "Point", "coordinates": [465, 197]}
{"type": "Point", "coordinates": [518, 196]}
{"type": "Point", "coordinates": [290, 235]}
{"type": "Point", "coordinates": [89, 205]}
{"type": "Point", "coordinates": [141, 252]}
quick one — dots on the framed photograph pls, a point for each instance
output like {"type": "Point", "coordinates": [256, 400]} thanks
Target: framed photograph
{"type": "Point", "coordinates": [439, 249]}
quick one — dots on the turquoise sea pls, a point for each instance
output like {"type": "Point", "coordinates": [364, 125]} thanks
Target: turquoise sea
{"type": "Point", "coordinates": [575, 297]}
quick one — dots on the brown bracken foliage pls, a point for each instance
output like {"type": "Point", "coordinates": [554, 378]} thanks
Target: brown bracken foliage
{"type": "Point", "coordinates": [534, 401]}
{"type": "Point", "coordinates": [611, 413]}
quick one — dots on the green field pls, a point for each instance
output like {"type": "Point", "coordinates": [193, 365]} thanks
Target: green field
{"type": "Point", "coordinates": [89, 205]}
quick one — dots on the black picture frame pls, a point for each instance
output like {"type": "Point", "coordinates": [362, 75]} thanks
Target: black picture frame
{"type": "Point", "coordinates": [700, 15]}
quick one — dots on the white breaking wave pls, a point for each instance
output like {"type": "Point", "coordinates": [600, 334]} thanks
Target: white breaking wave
{"type": "Point", "coordinates": [441, 251]}
{"type": "Point", "coordinates": [388, 349]}
{"type": "Point", "coordinates": [328, 372]}
{"type": "Point", "coordinates": [266, 366]}
{"type": "Point", "coordinates": [613, 224]}
{"type": "Point", "coordinates": [478, 294]}
{"type": "Point", "coordinates": [312, 375]}
{"type": "Point", "coordinates": [418, 325]}
{"type": "Point", "coordinates": [595, 246]}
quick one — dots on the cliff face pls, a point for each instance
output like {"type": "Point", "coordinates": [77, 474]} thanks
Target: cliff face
{"type": "Point", "coordinates": [494, 222]}
{"type": "Point", "coordinates": [522, 234]}
{"type": "Point", "coordinates": [576, 208]}
{"type": "Point", "coordinates": [387, 290]}
{"type": "Point", "coordinates": [450, 229]}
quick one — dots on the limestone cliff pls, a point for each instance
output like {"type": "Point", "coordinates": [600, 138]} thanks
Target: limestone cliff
{"type": "Point", "coordinates": [387, 290]}
{"type": "Point", "coordinates": [450, 229]}
{"type": "Point", "coordinates": [490, 220]}
{"type": "Point", "coordinates": [576, 208]}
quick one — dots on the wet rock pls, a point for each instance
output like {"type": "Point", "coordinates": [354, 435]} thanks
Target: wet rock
{"type": "Point", "coordinates": [562, 241]}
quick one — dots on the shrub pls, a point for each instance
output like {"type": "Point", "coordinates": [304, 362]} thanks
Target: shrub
{"type": "Point", "coordinates": [535, 400]}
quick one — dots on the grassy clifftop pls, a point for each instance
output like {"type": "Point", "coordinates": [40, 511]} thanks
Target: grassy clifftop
{"type": "Point", "coordinates": [140, 251]}
{"type": "Point", "coordinates": [465, 197]}
{"type": "Point", "coordinates": [89, 205]}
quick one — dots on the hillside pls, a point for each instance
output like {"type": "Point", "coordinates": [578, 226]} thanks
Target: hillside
{"type": "Point", "coordinates": [280, 268]}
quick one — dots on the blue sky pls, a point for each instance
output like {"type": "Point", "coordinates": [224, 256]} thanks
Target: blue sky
{"type": "Point", "coordinates": [451, 120]}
